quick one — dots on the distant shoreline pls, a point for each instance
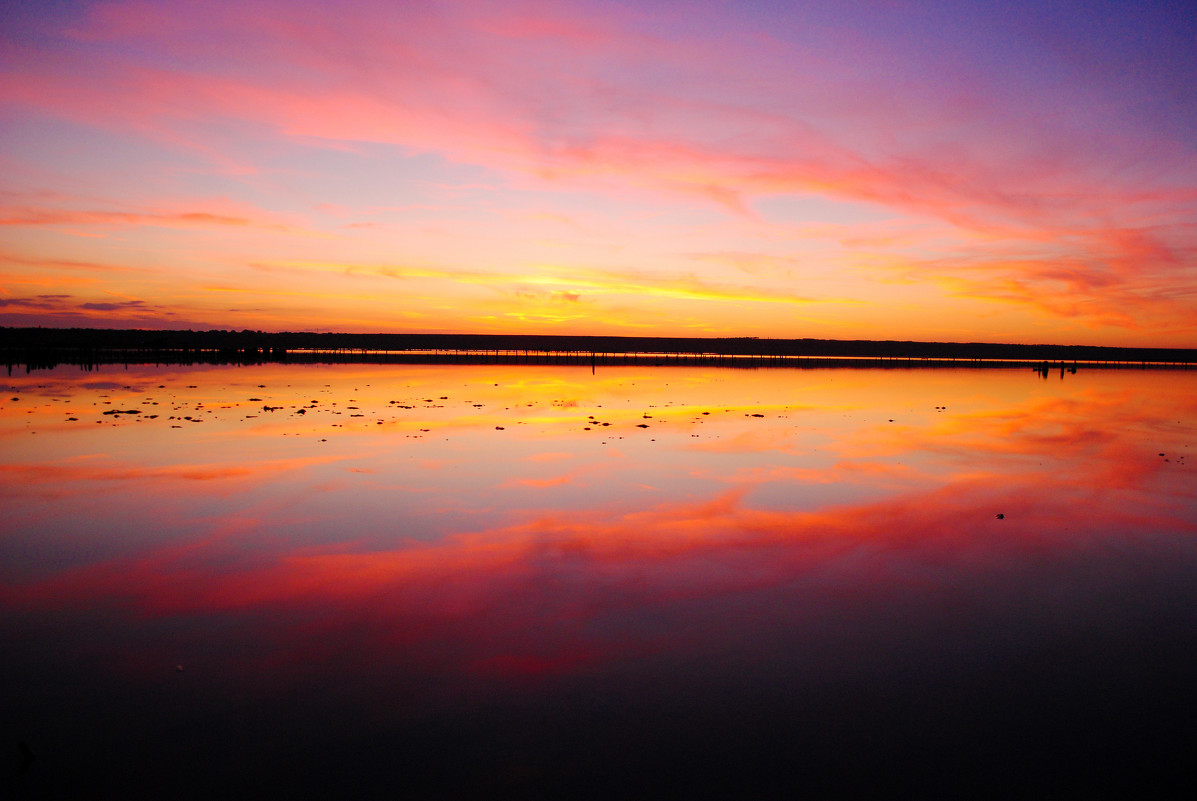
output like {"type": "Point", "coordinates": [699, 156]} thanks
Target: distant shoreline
{"type": "Point", "coordinates": [40, 348]}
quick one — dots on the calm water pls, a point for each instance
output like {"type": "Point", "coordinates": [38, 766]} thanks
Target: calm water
{"type": "Point", "coordinates": [412, 581]}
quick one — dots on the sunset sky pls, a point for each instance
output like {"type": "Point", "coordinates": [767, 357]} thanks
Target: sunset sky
{"type": "Point", "coordinates": [964, 171]}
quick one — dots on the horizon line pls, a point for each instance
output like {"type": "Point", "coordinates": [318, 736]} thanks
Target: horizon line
{"type": "Point", "coordinates": [217, 338]}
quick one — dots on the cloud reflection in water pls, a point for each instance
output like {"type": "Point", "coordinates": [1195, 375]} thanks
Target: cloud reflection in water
{"type": "Point", "coordinates": [745, 614]}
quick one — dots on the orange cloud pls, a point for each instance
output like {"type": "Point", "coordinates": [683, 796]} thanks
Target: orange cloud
{"type": "Point", "coordinates": [28, 216]}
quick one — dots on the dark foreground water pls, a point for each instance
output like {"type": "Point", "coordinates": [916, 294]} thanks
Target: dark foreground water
{"type": "Point", "coordinates": [414, 581]}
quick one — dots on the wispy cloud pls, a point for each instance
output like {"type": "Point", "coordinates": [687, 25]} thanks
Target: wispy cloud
{"type": "Point", "coordinates": [27, 216]}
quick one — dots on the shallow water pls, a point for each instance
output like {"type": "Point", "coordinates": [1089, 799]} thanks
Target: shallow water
{"type": "Point", "coordinates": [444, 581]}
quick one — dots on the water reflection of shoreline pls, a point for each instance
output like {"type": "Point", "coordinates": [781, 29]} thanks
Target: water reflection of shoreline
{"type": "Point", "coordinates": [32, 361]}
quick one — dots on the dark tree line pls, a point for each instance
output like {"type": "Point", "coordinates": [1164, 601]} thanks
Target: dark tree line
{"type": "Point", "coordinates": [263, 345]}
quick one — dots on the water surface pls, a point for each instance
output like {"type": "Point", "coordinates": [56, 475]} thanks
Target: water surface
{"type": "Point", "coordinates": [444, 581]}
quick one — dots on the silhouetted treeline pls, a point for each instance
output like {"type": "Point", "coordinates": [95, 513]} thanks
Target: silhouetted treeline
{"type": "Point", "coordinates": [40, 347]}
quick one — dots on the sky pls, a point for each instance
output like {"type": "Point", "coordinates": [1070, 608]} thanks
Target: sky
{"type": "Point", "coordinates": [989, 171]}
